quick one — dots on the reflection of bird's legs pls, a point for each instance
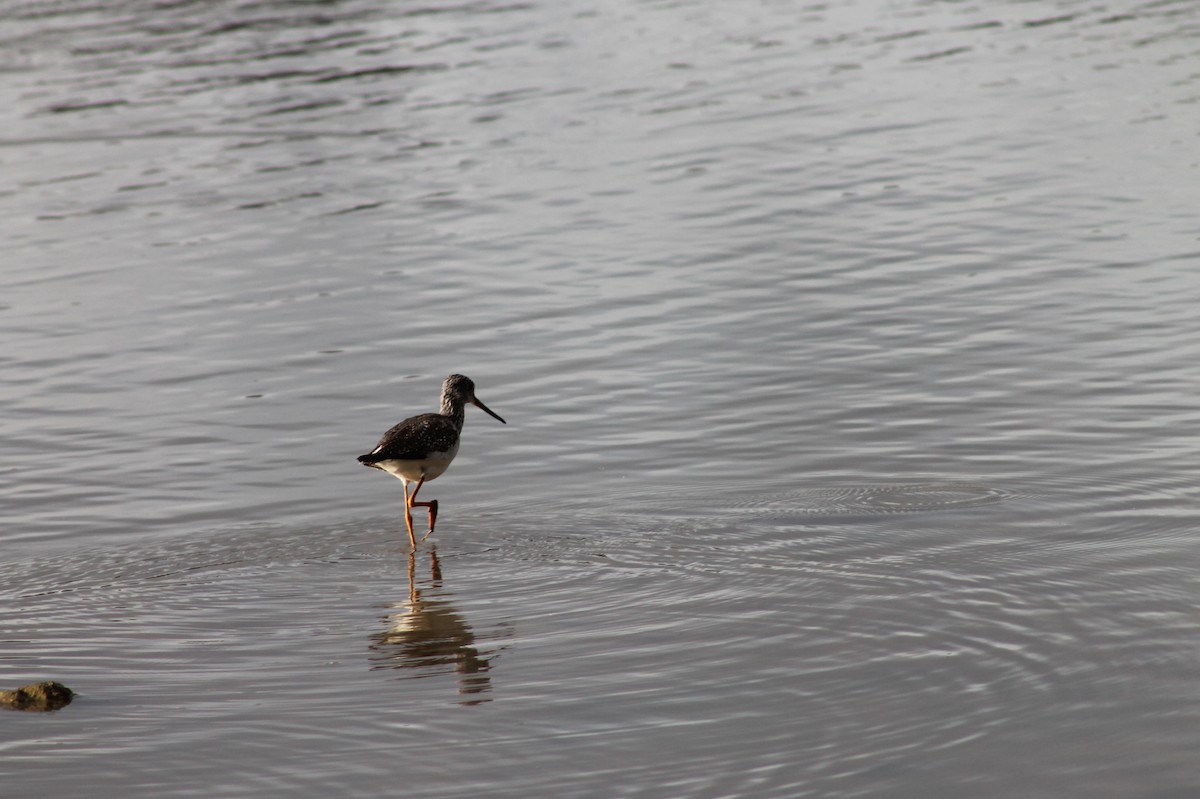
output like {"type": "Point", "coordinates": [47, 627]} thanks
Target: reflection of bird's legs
{"type": "Point", "coordinates": [435, 568]}
{"type": "Point", "coordinates": [413, 596]}
{"type": "Point", "coordinates": [431, 504]}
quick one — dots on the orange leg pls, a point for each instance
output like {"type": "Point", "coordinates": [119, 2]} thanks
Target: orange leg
{"type": "Point", "coordinates": [408, 516]}
{"type": "Point", "coordinates": [432, 505]}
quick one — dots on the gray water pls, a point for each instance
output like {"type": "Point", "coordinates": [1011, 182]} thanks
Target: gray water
{"type": "Point", "coordinates": [850, 356]}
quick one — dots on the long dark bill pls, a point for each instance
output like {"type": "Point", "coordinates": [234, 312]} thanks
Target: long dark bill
{"type": "Point", "coordinates": [488, 411]}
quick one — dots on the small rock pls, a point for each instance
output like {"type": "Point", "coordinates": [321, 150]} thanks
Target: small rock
{"type": "Point", "coordinates": [37, 696]}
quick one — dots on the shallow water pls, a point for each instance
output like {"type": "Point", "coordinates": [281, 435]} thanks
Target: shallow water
{"type": "Point", "coordinates": [849, 356]}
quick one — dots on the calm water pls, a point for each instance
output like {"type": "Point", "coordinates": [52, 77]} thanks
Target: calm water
{"type": "Point", "coordinates": [850, 355]}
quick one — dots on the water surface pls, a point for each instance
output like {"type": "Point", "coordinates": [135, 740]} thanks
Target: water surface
{"type": "Point", "coordinates": [849, 356]}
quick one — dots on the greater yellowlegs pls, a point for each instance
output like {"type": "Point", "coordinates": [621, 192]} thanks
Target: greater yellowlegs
{"type": "Point", "coordinates": [421, 447]}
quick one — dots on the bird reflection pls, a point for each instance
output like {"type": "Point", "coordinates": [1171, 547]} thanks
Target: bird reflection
{"type": "Point", "coordinates": [427, 634]}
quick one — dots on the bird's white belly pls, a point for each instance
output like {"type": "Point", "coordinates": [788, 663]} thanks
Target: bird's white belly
{"type": "Point", "coordinates": [411, 471]}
